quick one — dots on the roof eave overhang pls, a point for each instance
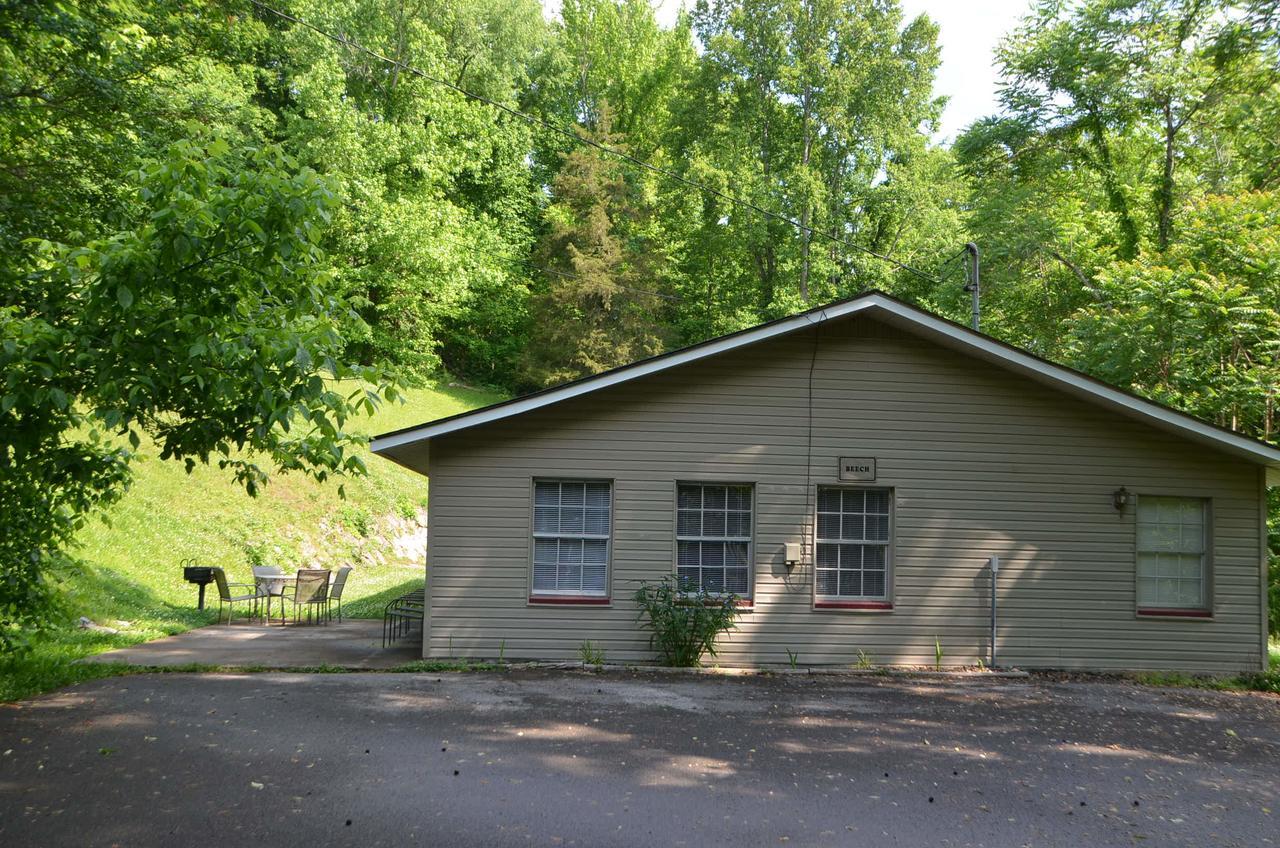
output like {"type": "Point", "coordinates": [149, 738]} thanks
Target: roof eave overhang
{"type": "Point", "coordinates": [410, 447]}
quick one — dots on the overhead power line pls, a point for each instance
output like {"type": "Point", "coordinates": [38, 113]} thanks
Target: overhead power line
{"type": "Point", "coordinates": [947, 262]}
{"type": "Point", "coordinates": [604, 148]}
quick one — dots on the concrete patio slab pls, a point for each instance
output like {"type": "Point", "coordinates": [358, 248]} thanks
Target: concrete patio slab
{"type": "Point", "coordinates": [354, 644]}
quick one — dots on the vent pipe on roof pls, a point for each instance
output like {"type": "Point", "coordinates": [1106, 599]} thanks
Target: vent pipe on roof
{"type": "Point", "coordinates": [974, 284]}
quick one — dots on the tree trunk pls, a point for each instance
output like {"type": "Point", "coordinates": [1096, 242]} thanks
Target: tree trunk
{"type": "Point", "coordinates": [806, 216]}
{"type": "Point", "coordinates": [1115, 197]}
{"type": "Point", "coordinates": [1164, 195]}
{"type": "Point", "coordinates": [765, 260]}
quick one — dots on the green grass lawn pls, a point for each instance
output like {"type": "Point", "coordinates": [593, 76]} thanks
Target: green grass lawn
{"type": "Point", "coordinates": [128, 574]}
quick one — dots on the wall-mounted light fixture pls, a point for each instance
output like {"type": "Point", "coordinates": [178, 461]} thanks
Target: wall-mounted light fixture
{"type": "Point", "coordinates": [1120, 498]}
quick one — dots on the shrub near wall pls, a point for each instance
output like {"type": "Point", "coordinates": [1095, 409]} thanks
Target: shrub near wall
{"type": "Point", "coordinates": [683, 624]}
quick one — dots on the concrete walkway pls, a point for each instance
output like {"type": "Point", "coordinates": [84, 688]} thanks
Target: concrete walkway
{"type": "Point", "coordinates": [355, 644]}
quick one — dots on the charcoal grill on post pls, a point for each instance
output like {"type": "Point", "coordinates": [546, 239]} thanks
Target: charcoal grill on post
{"type": "Point", "coordinates": [201, 575]}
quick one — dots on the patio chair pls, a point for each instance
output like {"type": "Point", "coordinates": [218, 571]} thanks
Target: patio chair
{"type": "Point", "coordinates": [335, 591]}
{"type": "Point", "coordinates": [270, 588]}
{"type": "Point", "coordinates": [311, 590]}
{"type": "Point", "coordinates": [229, 600]}
{"type": "Point", "coordinates": [400, 615]}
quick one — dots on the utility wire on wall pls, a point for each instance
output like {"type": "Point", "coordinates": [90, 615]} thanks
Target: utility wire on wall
{"type": "Point", "coordinates": [810, 536]}
{"type": "Point", "coordinates": [604, 148]}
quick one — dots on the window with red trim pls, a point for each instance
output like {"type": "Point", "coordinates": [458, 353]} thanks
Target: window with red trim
{"type": "Point", "coordinates": [852, 566]}
{"type": "Point", "coordinates": [571, 523]}
{"type": "Point", "coordinates": [1172, 550]}
{"type": "Point", "coordinates": [713, 537]}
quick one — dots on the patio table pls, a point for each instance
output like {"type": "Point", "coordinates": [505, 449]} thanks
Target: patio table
{"type": "Point", "coordinates": [277, 581]}
{"type": "Point", "coordinates": [273, 586]}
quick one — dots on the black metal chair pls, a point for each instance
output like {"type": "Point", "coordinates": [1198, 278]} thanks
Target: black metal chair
{"type": "Point", "coordinates": [400, 614]}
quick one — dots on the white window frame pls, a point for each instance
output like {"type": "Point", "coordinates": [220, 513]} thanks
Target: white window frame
{"type": "Point", "coordinates": [749, 594]}
{"type": "Point", "coordinates": [535, 594]}
{"type": "Point", "coordinates": [871, 602]}
{"type": "Point", "coordinates": [1204, 608]}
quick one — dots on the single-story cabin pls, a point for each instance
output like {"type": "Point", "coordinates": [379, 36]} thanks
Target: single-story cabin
{"type": "Point", "coordinates": [850, 472]}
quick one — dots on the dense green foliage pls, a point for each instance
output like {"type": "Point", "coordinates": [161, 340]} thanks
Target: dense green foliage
{"type": "Point", "coordinates": [207, 326]}
{"type": "Point", "coordinates": [206, 208]}
{"type": "Point", "coordinates": [1121, 117]}
{"type": "Point", "coordinates": [684, 624]}
{"type": "Point", "coordinates": [186, 298]}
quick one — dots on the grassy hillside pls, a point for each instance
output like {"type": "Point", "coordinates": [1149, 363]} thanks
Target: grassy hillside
{"type": "Point", "coordinates": [128, 572]}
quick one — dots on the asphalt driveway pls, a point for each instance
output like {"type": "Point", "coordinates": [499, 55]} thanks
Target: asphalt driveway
{"type": "Point", "coordinates": [554, 758]}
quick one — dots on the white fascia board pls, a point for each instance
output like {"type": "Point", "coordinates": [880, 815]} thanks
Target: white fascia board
{"type": "Point", "coordinates": [622, 375]}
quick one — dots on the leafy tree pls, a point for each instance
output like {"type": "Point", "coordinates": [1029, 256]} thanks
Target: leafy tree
{"type": "Point", "coordinates": [1043, 226]}
{"type": "Point", "coordinates": [1118, 114]}
{"type": "Point", "coordinates": [1198, 326]}
{"type": "Point", "coordinates": [611, 52]}
{"type": "Point", "coordinates": [598, 307]}
{"type": "Point", "coordinates": [206, 326]}
{"type": "Point", "coordinates": [816, 109]}
{"type": "Point", "coordinates": [616, 75]}
{"type": "Point", "coordinates": [1066, 78]}
{"type": "Point", "coordinates": [437, 198]}
{"type": "Point", "coordinates": [89, 90]}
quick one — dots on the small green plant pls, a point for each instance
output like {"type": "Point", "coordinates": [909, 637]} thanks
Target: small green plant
{"type": "Point", "coordinates": [937, 654]}
{"type": "Point", "coordinates": [405, 508]}
{"type": "Point", "coordinates": [864, 660]}
{"type": "Point", "coordinates": [792, 657]}
{"type": "Point", "coordinates": [502, 651]}
{"type": "Point", "coordinates": [982, 665]}
{"type": "Point", "coordinates": [683, 624]}
{"type": "Point", "coordinates": [1260, 681]}
{"type": "Point", "coordinates": [256, 552]}
{"type": "Point", "coordinates": [356, 519]}
{"type": "Point", "coordinates": [591, 654]}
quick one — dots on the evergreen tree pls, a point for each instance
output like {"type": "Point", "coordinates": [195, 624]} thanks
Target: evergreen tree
{"type": "Point", "coordinates": [598, 306]}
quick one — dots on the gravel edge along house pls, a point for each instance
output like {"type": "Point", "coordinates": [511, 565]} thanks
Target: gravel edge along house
{"type": "Point", "coordinates": [850, 472]}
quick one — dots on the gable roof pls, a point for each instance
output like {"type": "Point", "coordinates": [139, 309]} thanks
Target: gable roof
{"type": "Point", "coordinates": [891, 311]}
